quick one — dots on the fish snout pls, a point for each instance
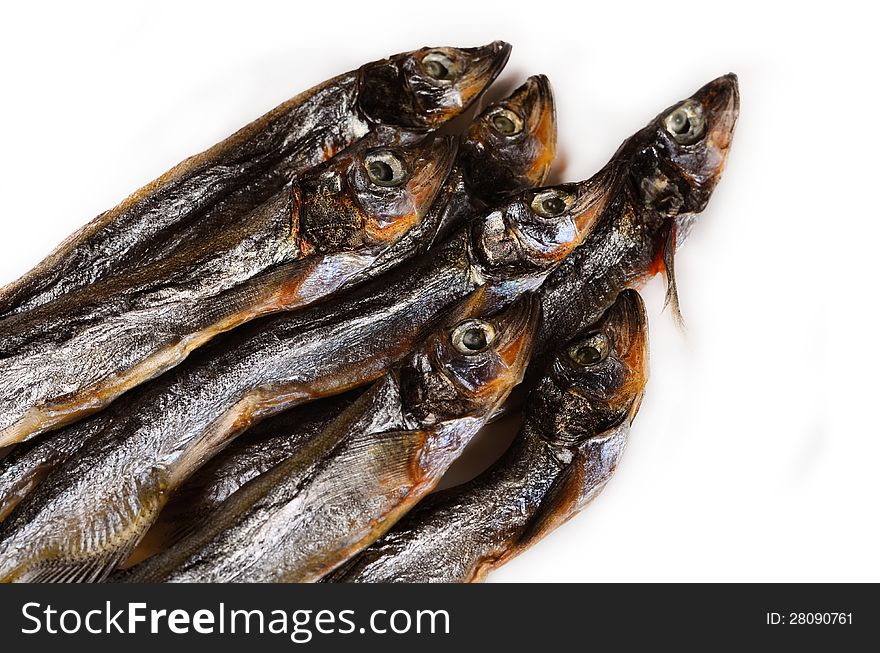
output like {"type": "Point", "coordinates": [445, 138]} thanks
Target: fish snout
{"type": "Point", "coordinates": [482, 66]}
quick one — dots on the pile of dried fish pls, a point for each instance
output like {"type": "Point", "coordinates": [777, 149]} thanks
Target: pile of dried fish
{"type": "Point", "coordinates": [260, 365]}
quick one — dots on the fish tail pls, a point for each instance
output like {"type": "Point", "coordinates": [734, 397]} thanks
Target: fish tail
{"type": "Point", "coordinates": [94, 570]}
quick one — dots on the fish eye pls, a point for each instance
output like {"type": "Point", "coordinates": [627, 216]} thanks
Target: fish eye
{"type": "Point", "coordinates": [505, 122]}
{"type": "Point", "coordinates": [551, 203]}
{"type": "Point", "coordinates": [473, 336]}
{"type": "Point", "coordinates": [384, 168]}
{"type": "Point", "coordinates": [591, 350]}
{"type": "Point", "coordinates": [686, 123]}
{"type": "Point", "coordinates": [438, 66]}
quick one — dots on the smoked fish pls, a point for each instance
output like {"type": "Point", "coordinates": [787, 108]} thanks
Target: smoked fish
{"type": "Point", "coordinates": [509, 147]}
{"type": "Point", "coordinates": [87, 516]}
{"type": "Point", "coordinates": [491, 164]}
{"type": "Point", "coordinates": [350, 483]}
{"type": "Point", "coordinates": [415, 91]}
{"type": "Point", "coordinates": [661, 178]}
{"type": "Point", "coordinates": [70, 358]}
{"type": "Point", "coordinates": [575, 427]}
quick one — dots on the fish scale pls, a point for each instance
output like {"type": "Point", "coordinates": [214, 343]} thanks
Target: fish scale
{"type": "Point", "coordinates": [507, 249]}
{"type": "Point", "coordinates": [127, 330]}
{"type": "Point", "coordinates": [460, 534]}
{"type": "Point", "coordinates": [288, 140]}
{"type": "Point", "coordinates": [376, 459]}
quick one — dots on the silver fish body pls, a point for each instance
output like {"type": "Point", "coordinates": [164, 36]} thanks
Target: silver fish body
{"type": "Point", "coordinates": [574, 432]}
{"type": "Point", "coordinates": [267, 444]}
{"type": "Point", "coordinates": [67, 359]}
{"type": "Point", "coordinates": [205, 192]}
{"type": "Point", "coordinates": [491, 165]}
{"type": "Point", "coordinates": [152, 439]}
{"type": "Point", "coordinates": [346, 486]}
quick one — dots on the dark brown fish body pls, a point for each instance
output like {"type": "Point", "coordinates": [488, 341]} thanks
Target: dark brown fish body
{"type": "Point", "coordinates": [209, 190]}
{"type": "Point", "coordinates": [507, 148]}
{"type": "Point", "coordinates": [504, 160]}
{"type": "Point", "coordinates": [69, 358]}
{"type": "Point", "coordinates": [350, 483]}
{"type": "Point", "coordinates": [149, 441]}
{"type": "Point", "coordinates": [491, 165]}
{"type": "Point", "coordinates": [574, 430]}
{"type": "Point", "coordinates": [267, 444]}
{"type": "Point", "coordinates": [658, 185]}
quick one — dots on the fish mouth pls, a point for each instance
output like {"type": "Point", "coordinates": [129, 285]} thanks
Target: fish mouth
{"type": "Point", "coordinates": [485, 64]}
{"type": "Point", "coordinates": [516, 324]}
{"type": "Point", "coordinates": [479, 67]}
{"type": "Point", "coordinates": [534, 101]}
{"type": "Point", "coordinates": [720, 100]}
{"type": "Point", "coordinates": [430, 162]}
{"type": "Point", "coordinates": [398, 92]}
{"type": "Point", "coordinates": [552, 246]}
{"type": "Point", "coordinates": [624, 375]}
{"type": "Point", "coordinates": [627, 319]}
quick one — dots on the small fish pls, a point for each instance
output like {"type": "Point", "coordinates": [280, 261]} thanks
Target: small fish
{"type": "Point", "coordinates": [70, 358]}
{"type": "Point", "coordinates": [417, 91]}
{"type": "Point", "coordinates": [348, 485]}
{"type": "Point", "coordinates": [660, 179]}
{"type": "Point", "coordinates": [267, 444]}
{"type": "Point", "coordinates": [509, 147]}
{"type": "Point", "coordinates": [575, 428]}
{"type": "Point", "coordinates": [89, 514]}
{"type": "Point", "coordinates": [503, 158]}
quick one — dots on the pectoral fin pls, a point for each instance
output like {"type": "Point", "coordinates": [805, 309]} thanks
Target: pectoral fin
{"type": "Point", "coordinates": [669, 267]}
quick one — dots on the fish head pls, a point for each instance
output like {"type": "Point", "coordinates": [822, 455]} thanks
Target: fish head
{"type": "Point", "coordinates": [511, 144]}
{"type": "Point", "coordinates": [470, 363]}
{"type": "Point", "coordinates": [536, 230]}
{"type": "Point", "coordinates": [371, 194]}
{"type": "Point", "coordinates": [681, 155]}
{"type": "Point", "coordinates": [596, 380]}
{"type": "Point", "coordinates": [421, 90]}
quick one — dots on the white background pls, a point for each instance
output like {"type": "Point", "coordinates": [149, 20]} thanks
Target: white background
{"type": "Point", "coordinates": [755, 455]}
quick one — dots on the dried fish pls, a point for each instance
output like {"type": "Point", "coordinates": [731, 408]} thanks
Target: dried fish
{"type": "Point", "coordinates": [660, 179]}
{"type": "Point", "coordinates": [349, 484]}
{"type": "Point", "coordinates": [89, 514]}
{"type": "Point", "coordinates": [70, 358]}
{"type": "Point", "coordinates": [575, 427]}
{"type": "Point", "coordinates": [416, 91]}
{"type": "Point", "coordinates": [508, 147]}
{"type": "Point", "coordinates": [490, 165]}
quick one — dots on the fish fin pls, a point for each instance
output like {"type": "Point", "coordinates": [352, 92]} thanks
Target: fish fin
{"type": "Point", "coordinates": [94, 570]}
{"type": "Point", "coordinates": [581, 480]}
{"type": "Point", "coordinates": [671, 286]}
{"type": "Point", "coordinates": [557, 507]}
